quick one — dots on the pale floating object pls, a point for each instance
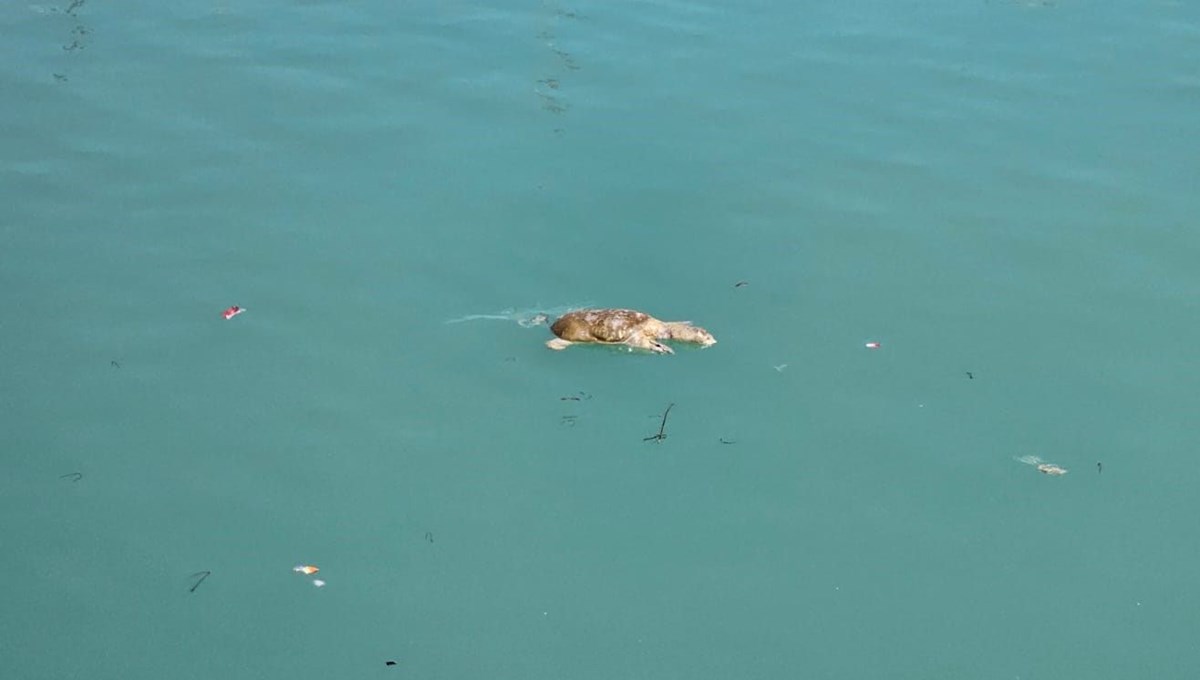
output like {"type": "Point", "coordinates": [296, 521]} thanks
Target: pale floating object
{"type": "Point", "coordinates": [318, 583]}
{"type": "Point", "coordinates": [873, 345]}
{"type": "Point", "coordinates": [232, 312]}
{"type": "Point", "coordinates": [306, 569]}
{"type": "Point", "coordinates": [1042, 466]}
{"type": "Point", "coordinates": [1051, 469]}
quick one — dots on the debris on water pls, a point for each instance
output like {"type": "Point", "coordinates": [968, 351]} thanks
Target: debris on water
{"type": "Point", "coordinates": [201, 575]}
{"type": "Point", "coordinates": [873, 345]}
{"type": "Point", "coordinates": [232, 312]}
{"type": "Point", "coordinates": [658, 438]}
{"type": "Point", "coordinates": [306, 569]}
{"type": "Point", "coordinates": [318, 583]}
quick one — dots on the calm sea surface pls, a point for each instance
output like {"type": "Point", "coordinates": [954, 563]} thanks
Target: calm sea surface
{"type": "Point", "coordinates": [1003, 194]}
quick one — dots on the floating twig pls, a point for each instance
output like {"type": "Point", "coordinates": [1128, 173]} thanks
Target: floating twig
{"type": "Point", "coordinates": [970, 375]}
{"type": "Point", "coordinates": [661, 428]}
{"type": "Point", "coordinates": [726, 441]}
{"type": "Point", "coordinates": [429, 536]}
{"type": "Point", "coordinates": [1099, 467]}
{"type": "Point", "coordinates": [203, 575]}
{"type": "Point", "coordinates": [568, 420]}
{"type": "Point", "coordinates": [739, 284]}
{"type": "Point", "coordinates": [114, 364]}
{"type": "Point", "coordinates": [75, 476]}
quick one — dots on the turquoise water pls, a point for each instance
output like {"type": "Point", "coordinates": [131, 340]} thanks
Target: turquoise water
{"type": "Point", "coordinates": [999, 188]}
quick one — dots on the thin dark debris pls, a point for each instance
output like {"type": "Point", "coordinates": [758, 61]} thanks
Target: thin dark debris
{"type": "Point", "coordinates": [203, 575]}
{"type": "Point", "coordinates": [657, 438]}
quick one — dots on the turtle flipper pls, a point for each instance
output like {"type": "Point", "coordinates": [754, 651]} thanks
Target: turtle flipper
{"type": "Point", "coordinates": [643, 341]}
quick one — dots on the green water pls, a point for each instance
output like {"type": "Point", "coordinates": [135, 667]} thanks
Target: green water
{"type": "Point", "coordinates": [996, 188]}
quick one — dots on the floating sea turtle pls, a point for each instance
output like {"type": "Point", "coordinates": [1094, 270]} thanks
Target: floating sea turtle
{"type": "Point", "coordinates": [1042, 466]}
{"type": "Point", "coordinates": [624, 327]}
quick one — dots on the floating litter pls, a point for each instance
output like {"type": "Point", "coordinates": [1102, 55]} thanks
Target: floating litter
{"type": "Point", "coordinates": [306, 569]}
{"type": "Point", "coordinates": [232, 312]}
{"type": "Point", "coordinates": [873, 345]}
{"type": "Point", "coordinates": [318, 583]}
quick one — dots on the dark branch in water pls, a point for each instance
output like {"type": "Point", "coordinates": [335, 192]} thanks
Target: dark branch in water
{"type": "Point", "coordinates": [75, 476]}
{"type": "Point", "coordinates": [661, 428]}
{"type": "Point", "coordinates": [203, 575]}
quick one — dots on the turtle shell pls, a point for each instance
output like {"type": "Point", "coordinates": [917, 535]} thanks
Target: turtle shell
{"type": "Point", "coordinates": [602, 325]}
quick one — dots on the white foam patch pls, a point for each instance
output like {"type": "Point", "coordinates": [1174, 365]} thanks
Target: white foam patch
{"type": "Point", "coordinates": [526, 318]}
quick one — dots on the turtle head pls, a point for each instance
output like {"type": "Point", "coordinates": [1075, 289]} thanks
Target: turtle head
{"type": "Point", "coordinates": [684, 331]}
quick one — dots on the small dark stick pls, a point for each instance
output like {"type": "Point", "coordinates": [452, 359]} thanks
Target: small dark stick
{"type": "Point", "coordinates": [739, 284]}
{"type": "Point", "coordinates": [568, 398]}
{"type": "Point", "coordinates": [114, 364]}
{"type": "Point", "coordinates": [429, 536]}
{"type": "Point", "coordinates": [389, 663]}
{"type": "Point", "coordinates": [203, 575]}
{"type": "Point", "coordinates": [661, 434]}
{"type": "Point", "coordinates": [1099, 467]}
{"type": "Point", "coordinates": [75, 476]}
{"type": "Point", "coordinates": [726, 441]}
{"type": "Point", "coordinates": [970, 375]}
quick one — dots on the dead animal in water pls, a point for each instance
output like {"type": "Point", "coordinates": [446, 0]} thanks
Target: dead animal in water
{"type": "Point", "coordinates": [624, 327]}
